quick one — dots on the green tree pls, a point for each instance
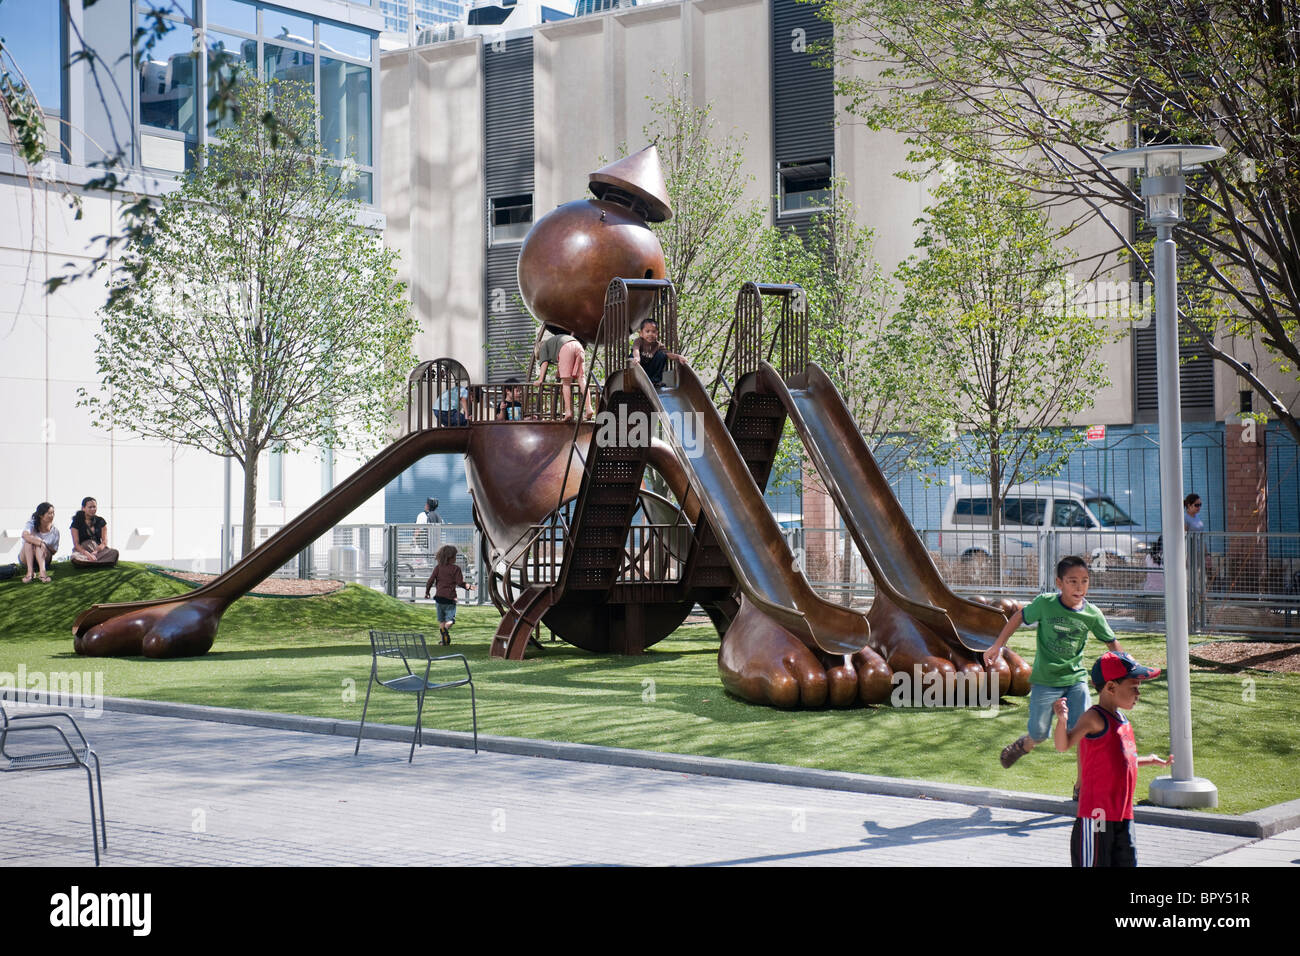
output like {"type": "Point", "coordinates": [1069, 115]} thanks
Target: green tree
{"type": "Point", "coordinates": [1000, 357]}
{"type": "Point", "coordinates": [1043, 88]}
{"type": "Point", "coordinates": [850, 302]}
{"type": "Point", "coordinates": [266, 318]}
{"type": "Point", "coordinates": [717, 238]}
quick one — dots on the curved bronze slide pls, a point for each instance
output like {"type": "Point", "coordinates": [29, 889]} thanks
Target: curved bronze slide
{"type": "Point", "coordinates": [185, 626]}
{"type": "Point", "coordinates": [742, 522]}
{"type": "Point", "coordinates": [900, 564]}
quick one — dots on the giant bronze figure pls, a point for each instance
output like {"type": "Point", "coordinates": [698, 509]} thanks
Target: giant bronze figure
{"type": "Point", "coordinates": [576, 542]}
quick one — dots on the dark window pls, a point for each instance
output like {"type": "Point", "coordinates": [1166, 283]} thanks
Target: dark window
{"type": "Point", "coordinates": [1069, 514]}
{"type": "Point", "coordinates": [973, 508]}
{"type": "Point", "coordinates": [488, 16]}
{"type": "Point", "coordinates": [512, 217]}
{"type": "Point", "coordinates": [805, 186]}
{"type": "Point", "coordinates": [1024, 510]}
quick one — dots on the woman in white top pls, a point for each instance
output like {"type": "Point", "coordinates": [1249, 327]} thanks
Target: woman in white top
{"type": "Point", "coordinates": [40, 541]}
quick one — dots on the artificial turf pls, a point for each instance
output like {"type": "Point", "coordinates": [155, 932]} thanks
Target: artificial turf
{"type": "Point", "coordinates": [311, 656]}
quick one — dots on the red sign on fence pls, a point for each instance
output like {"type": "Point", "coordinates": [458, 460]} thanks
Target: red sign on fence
{"type": "Point", "coordinates": [1096, 433]}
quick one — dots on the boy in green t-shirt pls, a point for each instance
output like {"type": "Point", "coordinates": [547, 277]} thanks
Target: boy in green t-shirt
{"type": "Point", "coordinates": [1064, 621]}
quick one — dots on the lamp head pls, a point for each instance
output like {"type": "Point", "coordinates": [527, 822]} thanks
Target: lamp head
{"type": "Point", "coordinates": [1162, 169]}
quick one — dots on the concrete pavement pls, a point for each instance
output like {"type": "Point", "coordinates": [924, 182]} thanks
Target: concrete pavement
{"type": "Point", "coordinates": [197, 792]}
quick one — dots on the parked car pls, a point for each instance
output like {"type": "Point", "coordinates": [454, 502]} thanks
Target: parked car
{"type": "Point", "coordinates": [1085, 522]}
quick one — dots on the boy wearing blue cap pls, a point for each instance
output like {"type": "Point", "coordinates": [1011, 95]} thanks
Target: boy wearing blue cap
{"type": "Point", "coordinates": [1108, 762]}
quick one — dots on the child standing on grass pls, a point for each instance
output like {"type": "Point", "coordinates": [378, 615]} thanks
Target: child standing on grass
{"type": "Point", "coordinates": [447, 577]}
{"type": "Point", "coordinates": [1064, 622]}
{"type": "Point", "coordinates": [1108, 762]}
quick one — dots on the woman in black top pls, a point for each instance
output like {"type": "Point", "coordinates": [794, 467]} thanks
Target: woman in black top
{"type": "Point", "coordinates": [90, 536]}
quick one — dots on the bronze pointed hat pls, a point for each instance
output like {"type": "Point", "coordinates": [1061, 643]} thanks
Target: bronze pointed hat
{"type": "Point", "coordinates": [641, 177]}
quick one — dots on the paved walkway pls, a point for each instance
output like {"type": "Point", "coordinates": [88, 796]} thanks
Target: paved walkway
{"type": "Point", "coordinates": [185, 792]}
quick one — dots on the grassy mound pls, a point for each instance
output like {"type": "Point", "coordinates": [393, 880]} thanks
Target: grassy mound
{"type": "Point", "coordinates": [38, 610]}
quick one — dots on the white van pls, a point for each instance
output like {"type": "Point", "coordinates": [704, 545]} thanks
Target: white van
{"type": "Point", "coordinates": [1084, 521]}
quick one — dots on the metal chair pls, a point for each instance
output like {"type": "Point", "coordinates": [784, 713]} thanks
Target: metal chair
{"type": "Point", "coordinates": [65, 755]}
{"type": "Point", "coordinates": [407, 647]}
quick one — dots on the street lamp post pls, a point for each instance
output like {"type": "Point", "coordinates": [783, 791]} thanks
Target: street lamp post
{"type": "Point", "coordinates": [1163, 186]}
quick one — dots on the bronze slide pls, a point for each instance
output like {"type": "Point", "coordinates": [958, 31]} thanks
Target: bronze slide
{"type": "Point", "coordinates": [900, 564]}
{"type": "Point", "coordinates": [742, 522]}
{"type": "Point", "coordinates": [184, 626]}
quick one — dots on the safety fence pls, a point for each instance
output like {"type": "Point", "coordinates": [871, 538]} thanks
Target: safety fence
{"type": "Point", "coordinates": [1237, 583]}
{"type": "Point", "coordinates": [394, 558]}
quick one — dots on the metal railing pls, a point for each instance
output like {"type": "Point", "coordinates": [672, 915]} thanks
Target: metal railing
{"type": "Point", "coordinates": [1238, 583]}
{"type": "Point", "coordinates": [394, 558]}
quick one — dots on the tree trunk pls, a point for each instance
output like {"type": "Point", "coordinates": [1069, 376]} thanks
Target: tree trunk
{"type": "Point", "coordinates": [995, 507]}
{"type": "Point", "coordinates": [250, 499]}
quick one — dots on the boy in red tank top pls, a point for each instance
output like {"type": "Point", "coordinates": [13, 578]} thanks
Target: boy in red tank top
{"type": "Point", "coordinates": [1108, 762]}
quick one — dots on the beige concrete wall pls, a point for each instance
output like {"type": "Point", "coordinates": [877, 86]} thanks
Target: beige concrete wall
{"type": "Point", "coordinates": [433, 192]}
{"type": "Point", "coordinates": [596, 79]}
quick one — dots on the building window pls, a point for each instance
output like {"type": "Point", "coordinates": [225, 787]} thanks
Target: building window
{"type": "Point", "coordinates": [226, 55]}
{"type": "Point", "coordinates": [805, 186]}
{"type": "Point", "coordinates": [168, 105]}
{"type": "Point", "coordinates": [345, 120]}
{"type": "Point", "coordinates": [275, 476]}
{"type": "Point", "coordinates": [33, 33]}
{"type": "Point", "coordinates": [333, 60]}
{"type": "Point", "coordinates": [511, 218]}
{"type": "Point", "coordinates": [235, 14]}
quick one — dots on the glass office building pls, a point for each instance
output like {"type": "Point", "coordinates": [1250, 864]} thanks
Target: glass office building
{"type": "Point", "coordinates": [182, 48]}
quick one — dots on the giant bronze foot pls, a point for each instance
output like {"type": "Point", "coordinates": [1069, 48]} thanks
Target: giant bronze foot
{"type": "Point", "coordinates": [764, 663]}
{"type": "Point", "coordinates": [179, 629]}
{"type": "Point", "coordinates": [911, 647]}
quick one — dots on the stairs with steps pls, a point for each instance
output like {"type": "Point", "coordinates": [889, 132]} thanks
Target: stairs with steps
{"type": "Point", "coordinates": [520, 621]}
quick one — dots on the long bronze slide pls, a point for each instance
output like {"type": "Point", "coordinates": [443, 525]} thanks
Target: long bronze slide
{"type": "Point", "coordinates": [899, 561]}
{"type": "Point", "coordinates": [184, 626]}
{"type": "Point", "coordinates": [744, 526]}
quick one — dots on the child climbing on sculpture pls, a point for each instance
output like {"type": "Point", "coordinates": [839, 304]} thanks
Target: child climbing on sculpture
{"type": "Point", "coordinates": [650, 354]}
{"type": "Point", "coordinates": [1064, 621]}
{"type": "Point", "coordinates": [446, 577]}
{"type": "Point", "coordinates": [567, 355]}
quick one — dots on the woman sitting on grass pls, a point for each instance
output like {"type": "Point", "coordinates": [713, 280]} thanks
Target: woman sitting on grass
{"type": "Point", "coordinates": [90, 538]}
{"type": "Point", "coordinates": [40, 542]}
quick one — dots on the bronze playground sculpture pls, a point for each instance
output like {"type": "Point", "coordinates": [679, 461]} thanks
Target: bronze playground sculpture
{"type": "Point", "coordinates": [573, 539]}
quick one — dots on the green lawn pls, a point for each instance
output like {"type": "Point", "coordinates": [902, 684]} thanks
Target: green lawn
{"type": "Point", "coordinates": [311, 656]}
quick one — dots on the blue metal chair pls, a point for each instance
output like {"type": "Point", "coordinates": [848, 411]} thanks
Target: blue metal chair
{"type": "Point", "coordinates": [407, 647]}
{"type": "Point", "coordinates": [66, 754]}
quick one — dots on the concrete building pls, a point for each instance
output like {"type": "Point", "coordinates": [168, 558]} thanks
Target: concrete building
{"type": "Point", "coordinates": [163, 503]}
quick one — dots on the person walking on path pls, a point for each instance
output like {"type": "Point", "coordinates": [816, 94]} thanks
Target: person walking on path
{"type": "Point", "coordinates": [1108, 762]}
